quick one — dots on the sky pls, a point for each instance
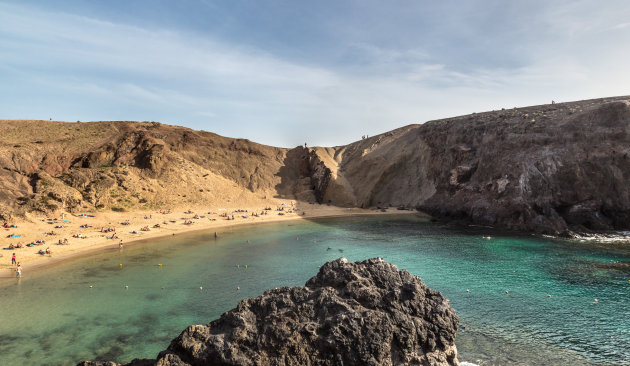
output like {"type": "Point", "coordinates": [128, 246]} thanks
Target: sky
{"type": "Point", "coordinates": [286, 72]}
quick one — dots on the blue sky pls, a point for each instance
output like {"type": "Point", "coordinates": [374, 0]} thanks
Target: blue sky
{"type": "Point", "coordinates": [288, 72]}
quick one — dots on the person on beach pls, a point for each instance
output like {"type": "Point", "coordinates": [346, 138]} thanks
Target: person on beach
{"type": "Point", "coordinates": [120, 245]}
{"type": "Point", "coordinates": [18, 271]}
{"type": "Point", "coordinates": [13, 259]}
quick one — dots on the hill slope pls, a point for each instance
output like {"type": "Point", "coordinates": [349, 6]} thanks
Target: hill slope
{"type": "Point", "coordinates": [548, 169]}
{"type": "Point", "coordinates": [46, 166]}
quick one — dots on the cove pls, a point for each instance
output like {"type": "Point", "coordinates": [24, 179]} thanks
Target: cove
{"type": "Point", "coordinates": [52, 316]}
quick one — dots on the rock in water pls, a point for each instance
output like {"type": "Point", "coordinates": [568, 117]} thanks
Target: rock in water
{"type": "Point", "coordinates": [362, 313]}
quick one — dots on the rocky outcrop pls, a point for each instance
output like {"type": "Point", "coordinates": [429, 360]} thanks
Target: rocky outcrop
{"type": "Point", "coordinates": [320, 175]}
{"type": "Point", "coordinates": [362, 313]}
{"type": "Point", "coordinates": [304, 175]}
{"type": "Point", "coordinates": [138, 148]}
{"type": "Point", "coordinates": [549, 169]}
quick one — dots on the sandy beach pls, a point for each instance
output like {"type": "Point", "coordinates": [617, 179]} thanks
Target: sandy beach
{"type": "Point", "coordinates": [88, 233]}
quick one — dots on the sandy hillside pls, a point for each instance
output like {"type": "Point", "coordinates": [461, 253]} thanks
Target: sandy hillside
{"type": "Point", "coordinates": [48, 167]}
{"type": "Point", "coordinates": [552, 168]}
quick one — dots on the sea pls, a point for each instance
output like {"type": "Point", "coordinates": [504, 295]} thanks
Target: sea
{"type": "Point", "coordinates": [522, 300]}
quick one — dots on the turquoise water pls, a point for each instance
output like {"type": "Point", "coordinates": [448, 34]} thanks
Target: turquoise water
{"type": "Point", "coordinates": [52, 317]}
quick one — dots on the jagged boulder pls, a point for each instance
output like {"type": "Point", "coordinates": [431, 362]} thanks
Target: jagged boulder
{"type": "Point", "coordinates": [362, 313]}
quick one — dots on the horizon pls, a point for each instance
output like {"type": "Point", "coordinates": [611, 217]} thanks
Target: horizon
{"type": "Point", "coordinates": [323, 73]}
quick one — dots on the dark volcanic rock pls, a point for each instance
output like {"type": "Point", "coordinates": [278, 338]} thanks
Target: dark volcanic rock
{"type": "Point", "coordinates": [549, 169]}
{"type": "Point", "coordinates": [363, 313]}
{"type": "Point", "coordinates": [320, 176]}
{"type": "Point", "coordinates": [305, 176]}
{"type": "Point", "coordinates": [135, 362]}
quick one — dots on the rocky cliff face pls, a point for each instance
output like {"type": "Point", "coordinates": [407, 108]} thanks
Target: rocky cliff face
{"type": "Point", "coordinates": [363, 313]}
{"type": "Point", "coordinates": [304, 176]}
{"type": "Point", "coordinates": [547, 169]}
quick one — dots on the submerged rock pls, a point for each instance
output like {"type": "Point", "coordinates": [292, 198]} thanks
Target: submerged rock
{"type": "Point", "coordinates": [362, 313]}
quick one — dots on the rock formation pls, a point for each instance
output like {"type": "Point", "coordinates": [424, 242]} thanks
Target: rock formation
{"type": "Point", "coordinates": [547, 169]}
{"type": "Point", "coordinates": [362, 313]}
{"type": "Point", "coordinates": [550, 169]}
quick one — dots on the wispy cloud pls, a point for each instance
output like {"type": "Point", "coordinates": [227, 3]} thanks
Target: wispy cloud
{"type": "Point", "coordinates": [71, 67]}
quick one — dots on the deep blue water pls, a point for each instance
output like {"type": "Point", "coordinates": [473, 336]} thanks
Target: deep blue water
{"type": "Point", "coordinates": [52, 317]}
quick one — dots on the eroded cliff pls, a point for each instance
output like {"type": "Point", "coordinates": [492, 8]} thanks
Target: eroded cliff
{"type": "Point", "coordinates": [547, 169]}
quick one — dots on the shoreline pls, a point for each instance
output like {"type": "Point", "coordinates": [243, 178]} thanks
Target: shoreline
{"type": "Point", "coordinates": [97, 242]}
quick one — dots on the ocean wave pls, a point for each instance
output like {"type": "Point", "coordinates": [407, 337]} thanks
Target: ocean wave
{"type": "Point", "coordinates": [613, 237]}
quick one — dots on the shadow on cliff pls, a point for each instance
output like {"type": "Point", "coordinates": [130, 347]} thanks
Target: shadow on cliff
{"type": "Point", "coordinates": [303, 176]}
{"type": "Point", "coordinates": [293, 173]}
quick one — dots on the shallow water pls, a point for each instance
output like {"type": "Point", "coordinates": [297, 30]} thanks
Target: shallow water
{"type": "Point", "coordinates": [52, 317]}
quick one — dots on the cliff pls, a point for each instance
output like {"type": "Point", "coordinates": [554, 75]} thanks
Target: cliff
{"type": "Point", "coordinates": [550, 169]}
{"type": "Point", "coordinates": [362, 313]}
{"type": "Point", "coordinates": [547, 169]}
